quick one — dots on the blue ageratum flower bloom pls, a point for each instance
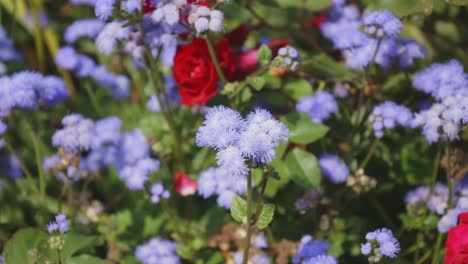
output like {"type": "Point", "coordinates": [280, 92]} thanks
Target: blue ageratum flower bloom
{"type": "Point", "coordinates": [444, 120]}
{"type": "Point", "coordinates": [83, 2]}
{"type": "Point", "coordinates": [134, 163]}
{"type": "Point", "coordinates": [88, 28]}
{"type": "Point", "coordinates": [333, 168]}
{"type": "Point", "coordinates": [309, 248]}
{"type": "Point", "coordinates": [76, 135]}
{"type": "Point", "coordinates": [157, 250]}
{"type": "Point", "coordinates": [322, 259]}
{"type": "Point", "coordinates": [103, 8]}
{"type": "Point", "coordinates": [383, 241]}
{"type": "Point", "coordinates": [319, 106]}
{"type": "Point", "coordinates": [382, 23]}
{"type": "Point", "coordinates": [238, 140]}
{"type": "Point", "coordinates": [388, 115]}
{"type": "Point", "coordinates": [10, 166]}
{"type": "Point", "coordinates": [409, 50]}
{"type": "Point", "coordinates": [442, 80]}
{"type": "Point", "coordinates": [158, 192]}
{"type": "Point", "coordinates": [59, 225]}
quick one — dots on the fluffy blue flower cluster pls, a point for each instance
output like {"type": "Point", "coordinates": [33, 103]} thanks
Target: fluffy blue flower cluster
{"type": "Point", "coordinates": [379, 39]}
{"type": "Point", "coordinates": [83, 2]}
{"type": "Point", "coordinates": [387, 116]}
{"type": "Point", "coordinates": [380, 243]}
{"type": "Point", "coordinates": [157, 250]}
{"type": "Point", "coordinates": [333, 168]}
{"type": "Point", "coordinates": [450, 218]}
{"type": "Point", "coordinates": [217, 181]}
{"type": "Point", "coordinates": [312, 251]}
{"type": "Point", "coordinates": [60, 224]}
{"type": "Point", "coordinates": [444, 120]}
{"type": "Point", "coordinates": [84, 66]}
{"type": "Point", "coordinates": [238, 140]}
{"type": "Point", "coordinates": [442, 80]}
{"type": "Point", "coordinates": [28, 89]}
{"type": "Point", "coordinates": [8, 51]}
{"type": "Point", "coordinates": [88, 28]}
{"type": "Point", "coordinates": [319, 106]}
{"type": "Point", "coordinates": [157, 192]}
{"type": "Point", "coordinates": [436, 201]}
{"type": "Point", "coordinates": [10, 166]}
{"type": "Point", "coordinates": [129, 152]}
{"type": "Point", "coordinates": [288, 57]}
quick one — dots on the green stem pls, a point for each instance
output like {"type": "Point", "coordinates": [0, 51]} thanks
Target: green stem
{"type": "Point", "coordinates": [260, 198]}
{"type": "Point", "coordinates": [369, 154]}
{"type": "Point", "coordinates": [435, 170]}
{"type": "Point", "coordinates": [37, 34]}
{"type": "Point", "coordinates": [435, 258]}
{"type": "Point", "coordinates": [22, 165]}
{"type": "Point", "coordinates": [215, 60]}
{"type": "Point", "coordinates": [245, 258]}
{"type": "Point", "coordinates": [40, 172]}
{"type": "Point", "coordinates": [379, 43]}
{"type": "Point", "coordinates": [449, 178]}
{"type": "Point", "coordinates": [93, 98]}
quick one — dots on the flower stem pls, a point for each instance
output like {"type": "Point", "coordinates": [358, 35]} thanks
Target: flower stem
{"type": "Point", "coordinates": [369, 154]}
{"type": "Point", "coordinates": [245, 258]}
{"type": "Point", "coordinates": [93, 99]}
{"type": "Point", "coordinates": [215, 60]}
{"type": "Point", "coordinates": [435, 170]}
{"type": "Point", "coordinates": [435, 258]}
{"type": "Point", "coordinates": [260, 199]}
{"type": "Point", "coordinates": [40, 172]}
{"type": "Point", "coordinates": [449, 179]}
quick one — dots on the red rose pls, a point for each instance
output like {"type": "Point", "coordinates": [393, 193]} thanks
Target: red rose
{"type": "Point", "coordinates": [317, 21]}
{"type": "Point", "coordinates": [457, 242]}
{"type": "Point", "coordinates": [195, 72]}
{"type": "Point", "coordinates": [148, 7]}
{"type": "Point", "coordinates": [184, 185]}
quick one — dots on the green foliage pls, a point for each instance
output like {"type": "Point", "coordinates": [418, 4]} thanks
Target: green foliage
{"type": "Point", "coordinates": [304, 168]}
{"type": "Point", "coordinates": [266, 216]}
{"type": "Point", "coordinates": [264, 54]}
{"type": "Point", "coordinates": [302, 130]}
{"type": "Point", "coordinates": [239, 209]}
{"type": "Point", "coordinates": [24, 246]}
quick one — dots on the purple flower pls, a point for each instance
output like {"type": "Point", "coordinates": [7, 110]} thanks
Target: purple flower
{"type": "Point", "coordinates": [319, 106]}
{"type": "Point", "coordinates": [333, 168]}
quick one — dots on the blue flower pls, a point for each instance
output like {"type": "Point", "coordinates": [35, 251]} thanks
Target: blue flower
{"type": "Point", "coordinates": [52, 90]}
{"type": "Point", "coordinates": [322, 259]}
{"type": "Point", "coordinates": [382, 23]}
{"type": "Point", "coordinates": [388, 115]}
{"type": "Point", "coordinates": [89, 28]}
{"type": "Point", "coordinates": [383, 240]}
{"type": "Point", "coordinates": [319, 106]}
{"type": "Point", "coordinates": [158, 192]}
{"type": "Point", "coordinates": [333, 168]}
{"type": "Point", "coordinates": [442, 80]}
{"type": "Point", "coordinates": [309, 248]}
{"type": "Point", "coordinates": [60, 224]}
{"type": "Point", "coordinates": [132, 5]}
{"type": "Point", "coordinates": [408, 50]}
{"type": "Point", "coordinates": [157, 250]}
{"type": "Point", "coordinates": [103, 8]}
{"type": "Point", "coordinates": [76, 135]}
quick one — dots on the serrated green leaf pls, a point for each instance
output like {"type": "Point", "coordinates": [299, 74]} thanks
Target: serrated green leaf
{"type": "Point", "coordinates": [304, 168]}
{"type": "Point", "coordinates": [313, 5]}
{"type": "Point", "coordinates": [257, 82]}
{"type": "Point", "coordinates": [266, 216]}
{"type": "Point", "coordinates": [298, 88]}
{"type": "Point", "coordinates": [264, 54]}
{"type": "Point", "coordinates": [302, 130]}
{"type": "Point", "coordinates": [238, 209]}
{"type": "Point", "coordinates": [17, 248]}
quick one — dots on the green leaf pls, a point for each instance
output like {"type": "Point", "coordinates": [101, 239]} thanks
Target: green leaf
{"type": "Point", "coordinates": [403, 8]}
{"type": "Point", "coordinates": [313, 5]}
{"type": "Point", "coordinates": [266, 215]}
{"type": "Point", "coordinates": [302, 130]}
{"type": "Point", "coordinates": [304, 168]}
{"type": "Point", "coordinates": [238, 209]}
{"type": "Point", "coordinates": [256, 82]}
{"type": "Point", "coordinates": [325, 66]}
{"type": "Point", "coordinates": [18, 247]}
{"type": "Point", "coordinates": [264, 54]}
{"type": "Point", "coordinates": [448, 30]}
{"type": "Point", "coordinates": [298, 88]}
{"type": "Point", "coordinates": [75, 242]}
{"type": "Point", "coordinates": [86, 259]}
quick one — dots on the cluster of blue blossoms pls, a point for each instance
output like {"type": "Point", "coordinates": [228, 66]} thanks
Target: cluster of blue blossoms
{"type": "Point", "coordinates": [84, 66]}
{"type": "Point", "coordinates": [387, 116]}
{"type": "Point", "coordinates": [8, 52]}
{"type": "Point", "coordinates": [380, 243]}
{"type": "Point", "coordinates": [237, 141]}
{"type": "Point", "coordinates": [157, 250]}
{"type": "Point", "coordinates": [377, 41]}
{"type": "Point", "coordinates": [319, 106]}
{"type": "Point", "coordinates": [105, 146]}
{"type": "Point", "coordinates": [333, 168]}
{"type": "Point", "coordinates": [311, 251]}
{"type": "Point", "coordinates": [59, 225]}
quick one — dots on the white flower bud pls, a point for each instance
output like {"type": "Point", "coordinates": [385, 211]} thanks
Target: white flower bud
{"type": "Point", "coordinates": [180, 3]}
{"type": "Point", "coordinates": [201, 24]}
{"type": "Point", "coordinates": [203, 11]}
{"type": "Point", "coordinates": [158, 15]}
{"type": "Point", "coordinates": [216, 14]}
{"type": "Point", "coordinates": [171, 14]}
{"type": "Point", "coordinates": [192, 18]}
{"type": "Point", "coordinates": [216, 25]}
